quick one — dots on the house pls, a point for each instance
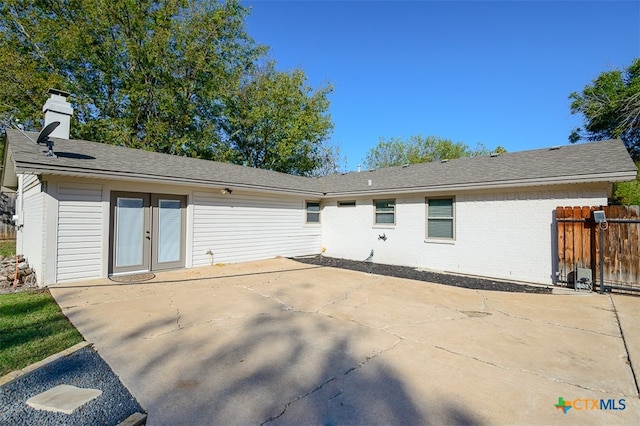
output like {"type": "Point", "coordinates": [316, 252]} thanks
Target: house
{"type": "Point", "coordinates": [94, 210]}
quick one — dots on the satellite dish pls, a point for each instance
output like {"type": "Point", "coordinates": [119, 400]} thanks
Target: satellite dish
{"type": "Point", "coordinates": [44, 133]}
{"type": "Point", "coordinates": [43, 137]}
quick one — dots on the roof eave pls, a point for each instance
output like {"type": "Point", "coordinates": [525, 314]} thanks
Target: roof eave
{"type": "Point", "coordinates": [622, 176]}
{"type": "Point", "coordinates": [135, 177]}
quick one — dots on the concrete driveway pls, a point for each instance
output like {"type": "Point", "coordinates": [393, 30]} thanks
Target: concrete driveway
{"type": "Point", "coordinates": [278, 342]}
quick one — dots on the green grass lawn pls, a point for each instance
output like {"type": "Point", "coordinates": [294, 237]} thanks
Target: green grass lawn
{"type": "Point", "coordinates": [32, 327]}
{"type": "Point", "coordinates": [7, 247]}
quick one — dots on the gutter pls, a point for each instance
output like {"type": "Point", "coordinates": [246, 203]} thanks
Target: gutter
{"type": "Point", "coordinates": [591, 178]}
{"type": "Point", "coordinates": [100, 174]}
{"type": "Point", "coordinates": [559, 180]}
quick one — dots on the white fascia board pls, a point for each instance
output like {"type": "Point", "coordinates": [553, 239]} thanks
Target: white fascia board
{"type": "Point", "coordinates": [592, 178]}
{"type": "Point", "coordinates": [35, 168]}
{"type": "Point", "coordinates": [101, 174]}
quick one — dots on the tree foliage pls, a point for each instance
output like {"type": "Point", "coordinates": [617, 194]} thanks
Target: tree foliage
{"type": "Point", "coordinates": [161, 75]}
{"type": "Point", "coordinates": [611, 108]}
{"type": "Point", "coordinates": [277, 120]}
{"type": "Point", "coordinates": [419, 149]}
{"type": "Point", "coordinates": [627, 193]}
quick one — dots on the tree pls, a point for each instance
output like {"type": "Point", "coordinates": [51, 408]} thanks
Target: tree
{"type": "Point", "coordinates": [160, 75]}
{"type": "Point", "coordinates": [276, 121]}
{"type": "Point", "coordinates": [611, 108]}
{"type": "Point", "coordinates": [331, 161]}
{"type": "Point", "coordinates": [627, 193]}
{"type": "Point", "coordinates": [419, 149]}
{"type": "Point", "coordinates": [145, 74]}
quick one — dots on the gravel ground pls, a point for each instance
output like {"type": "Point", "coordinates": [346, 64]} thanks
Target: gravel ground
{"type": "Point", "coordinates": [428, 276]}
{"type": "Point", "coordinates": [84, 369]}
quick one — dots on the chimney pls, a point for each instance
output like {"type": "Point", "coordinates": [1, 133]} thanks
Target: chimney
{"type": "Point", "coordinates": [58, 109]}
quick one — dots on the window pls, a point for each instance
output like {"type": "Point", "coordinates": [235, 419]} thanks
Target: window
{"type": "Point", "coordinates": [347, 203]}
{"type": "Point", "coordinates": [440, 218]}
{"type": "Point", "coordinates": [385, 212]}
{"type": "Point", "coordinates": [313, 212]}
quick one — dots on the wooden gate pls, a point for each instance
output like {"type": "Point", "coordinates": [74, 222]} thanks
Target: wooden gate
{"type": "Point", "coordinates": [579, 245]}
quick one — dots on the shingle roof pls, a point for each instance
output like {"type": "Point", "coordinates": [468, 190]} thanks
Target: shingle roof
{"type": "Point", "coordinates": [606, 161]}
{"type": "Point", "coordinates": [98, 160]}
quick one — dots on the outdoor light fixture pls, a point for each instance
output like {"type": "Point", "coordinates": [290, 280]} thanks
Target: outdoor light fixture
{"type": "Point", "coordinates": [226, 191]}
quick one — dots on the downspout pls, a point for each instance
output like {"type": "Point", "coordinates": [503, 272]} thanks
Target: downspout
{"type": "Point", "coordinates": [19, 222]}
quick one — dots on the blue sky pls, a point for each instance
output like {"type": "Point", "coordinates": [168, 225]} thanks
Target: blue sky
{"type": "Point", "coordinates": [491, 72]}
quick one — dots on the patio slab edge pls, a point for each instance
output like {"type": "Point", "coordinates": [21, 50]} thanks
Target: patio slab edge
{"type": "Point", "coordinates": [14, 375]}
{"type": "Point", "coordinates": [136, 419]}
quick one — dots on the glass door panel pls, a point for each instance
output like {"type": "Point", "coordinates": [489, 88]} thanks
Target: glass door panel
{"type": "Point", "coordinates": [129, 232]}
{"type": "Point", "coordinates": [169, 230]}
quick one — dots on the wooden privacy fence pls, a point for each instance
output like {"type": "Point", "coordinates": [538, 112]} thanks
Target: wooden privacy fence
{"type": "Point", "coordinates": [7, 231]}
{"type": "Point", "coordinates": [7, 209]}
{"type": "Point", "coordinates": [579, 245]}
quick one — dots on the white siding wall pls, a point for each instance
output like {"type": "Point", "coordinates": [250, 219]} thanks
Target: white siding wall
{"type": "Point", "coordinates": [506, 235]}
{"type": "Point", "coordinates": [31, 237]}
{"type": "Point", "coordinates": [80, 239]}
{"type": "Point", "coordinates": [242, 227]}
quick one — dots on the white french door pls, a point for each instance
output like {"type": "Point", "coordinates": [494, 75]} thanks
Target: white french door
{"type": "Point", "coordinates": [147, 232]}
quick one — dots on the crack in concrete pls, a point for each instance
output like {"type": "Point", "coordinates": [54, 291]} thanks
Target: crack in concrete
{"type": "Point", "coordinates": [366, 302]}
{"type": "Point", "coordinates": [286, 306]}
{"type": "Point", "coordinates": [346, 296]}
{"type": "Point", "coordinates": [197, 324]}
{"type": "Point", "coordinates": [374, 356]}
{"type": "Point", "coordinates": [533, 373]}
{"type": "Point", "coordinates": [556, 324]}
{"type": "Point", "coordinates": [343, 376]}
{"type": "Point", "coordinates": [626, 348]}
{"type": "Point", "coordinates": [178, 313]}
{"type": "Point", "coordinates": [484, 305]}
{"type": "Point", "coordinates": [288, 404]}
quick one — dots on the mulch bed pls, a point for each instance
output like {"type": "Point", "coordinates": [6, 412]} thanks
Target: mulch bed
{"type": "Point", "coordinates": [428, 276]}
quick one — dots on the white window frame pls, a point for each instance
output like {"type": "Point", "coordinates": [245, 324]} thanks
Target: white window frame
{"type": "Point", "coordinates": [451, 218]}
{"type": "Point", "coordinates": [376, 212]}
{"type": "Point", "coordinates": [307, 212]}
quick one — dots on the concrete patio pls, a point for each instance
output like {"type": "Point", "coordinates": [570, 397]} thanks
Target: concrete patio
{"type": "Point", "coordinates": [279, 342]}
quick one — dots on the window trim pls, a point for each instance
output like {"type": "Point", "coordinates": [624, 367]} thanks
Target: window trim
{"type": "Point", "coordinates": [375, 212]}
{"type": "Point", "coordinates": [452, 218]}
{"type": "Point", "coordinates": [307, 212]}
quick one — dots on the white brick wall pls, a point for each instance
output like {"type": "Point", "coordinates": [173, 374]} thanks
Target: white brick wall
{"type": "Point", "coordinates": [505, 235]}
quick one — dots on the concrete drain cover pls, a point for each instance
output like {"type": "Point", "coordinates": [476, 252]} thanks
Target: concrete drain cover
{"type": "Point", "coordinates": [63, 398]}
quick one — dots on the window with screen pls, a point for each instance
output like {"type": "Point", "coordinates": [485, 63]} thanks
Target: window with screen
{"type": "Point", "coordinates": [313, 212]}
{"type": "Point", "coordinates": [440, 218]}
{"type": "Point", "coordinates": [385, 212]}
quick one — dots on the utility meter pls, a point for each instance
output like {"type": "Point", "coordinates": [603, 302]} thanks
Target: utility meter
{"type": "Point", "coordinates": [599, 217]}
